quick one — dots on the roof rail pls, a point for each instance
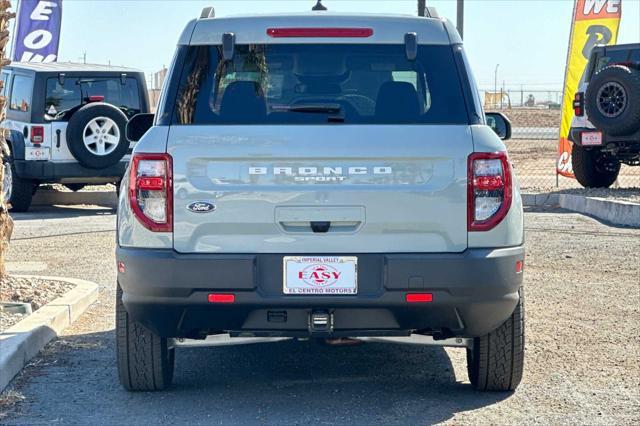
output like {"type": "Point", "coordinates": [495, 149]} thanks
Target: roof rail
{"type": "Point", "coordinates": [208, 12]}
{"type": "Point", "coordinates": [431, 12]}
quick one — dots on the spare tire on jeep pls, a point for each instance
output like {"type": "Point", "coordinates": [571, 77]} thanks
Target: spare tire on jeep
{"type": "Point", "coordinates": [613, 100]}
{"type": "Point", "coordinates": [96, 135]}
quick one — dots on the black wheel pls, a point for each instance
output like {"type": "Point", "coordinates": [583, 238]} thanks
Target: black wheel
{"type": "Point", "coordinates": [496, 361]}
{"type": "Point", "coordinates": [613, 100]}
{"type": "Point", "coordinates": [593, 168]}
{"type": "Point", "coordinates": [145, 362]}
{"type": "Point", "coordinates": [96, 135]}
{"type": "Point", "coordinates": [75, 187]}
{"type": "Point", "coordinates": [16, 192]}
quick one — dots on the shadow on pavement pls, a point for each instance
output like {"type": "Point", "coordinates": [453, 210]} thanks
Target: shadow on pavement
{"type": "Point", "coordinates": [62, 212]}
{"type": "Point", "coordinates": [75, 381]}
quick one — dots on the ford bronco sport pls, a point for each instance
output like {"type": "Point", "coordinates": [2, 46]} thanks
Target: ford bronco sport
{"type": "Point", "coordinates": [605, 129]}
{"type": "Point", "coordinates": [320, 175]}
{"type": "Point", "coordinates": [67, 125]}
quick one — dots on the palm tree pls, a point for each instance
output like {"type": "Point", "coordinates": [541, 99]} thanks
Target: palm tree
{"type": "Point", "coordinates": [6, 224]}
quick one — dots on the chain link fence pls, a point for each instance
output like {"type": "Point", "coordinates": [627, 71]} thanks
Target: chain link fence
{"type": "Point", "coordinates": [533, 147]}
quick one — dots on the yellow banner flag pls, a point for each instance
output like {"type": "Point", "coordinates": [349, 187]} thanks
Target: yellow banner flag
{"type": "Point", "coordinates": [594, 22]}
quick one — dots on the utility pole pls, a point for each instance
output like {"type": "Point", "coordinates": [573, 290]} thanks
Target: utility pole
{"type": "Point", "coordinates": [495, 82]}
{"type": "Point", "coordinates": [460, 17]}
{"type": "Point", "coordinates": [422, 5]}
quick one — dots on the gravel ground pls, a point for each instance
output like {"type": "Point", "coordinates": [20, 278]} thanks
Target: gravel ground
{"type": "Point", "coordinates": [35, 291]}
{"type": "Point", "coordinates": [533, 117]}
{"type": "Point", "coordinates": [582, 282]}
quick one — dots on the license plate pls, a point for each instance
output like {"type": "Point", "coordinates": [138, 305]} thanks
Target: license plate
{"type": "Point", "coordinates": [591, 138]}
{"type": "Point", "coordinates": [322, 275]}
{"type": "Point", "coordinates": [36, 153]}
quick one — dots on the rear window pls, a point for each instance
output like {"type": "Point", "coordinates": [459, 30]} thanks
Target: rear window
{"type": "Point", "coordinates": [630, 57]}
{"type": "Point", "coordinates": [315, 84]}
{"type": "Point", "coordinates": [77, 91]}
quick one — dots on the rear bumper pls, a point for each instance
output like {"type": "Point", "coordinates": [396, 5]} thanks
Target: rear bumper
{"type": "Point", "coordinates": [473, 293]}
{"type": "Point", "coordinates": [575, 136]}
{"type": "Point", "coordinates": [51, 172]}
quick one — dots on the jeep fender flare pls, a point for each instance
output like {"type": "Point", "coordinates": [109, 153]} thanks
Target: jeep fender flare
{"type": "Point", "coordinates": [15, 142]}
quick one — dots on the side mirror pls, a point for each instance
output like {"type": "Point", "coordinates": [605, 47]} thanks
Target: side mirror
{"type": "Point", "coordinates": [500, 124]}
{"type": "Point", "coordinates": [138, 126]}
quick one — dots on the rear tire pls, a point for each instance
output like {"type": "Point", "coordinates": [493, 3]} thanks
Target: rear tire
{"type": "Point", "coordinates": [613, 100]}
{"type": "Point", "coordinates": [496, 361]}
{"type": "Point", "coordinates": [75, 187]}
{"type": "Point", "coordinates": [145, 362]}
{"type": "Point", "coordinates": [21, 191]}
{"type": "Point", "coordinates": [594, 169]}
{"type": "Point", "coordinates": [86, 133]}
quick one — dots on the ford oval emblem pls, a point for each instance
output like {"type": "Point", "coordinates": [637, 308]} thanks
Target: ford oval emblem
{"type": "Point", "coordinates": [201, 207]}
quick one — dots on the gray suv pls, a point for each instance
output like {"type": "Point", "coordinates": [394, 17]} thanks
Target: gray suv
{"type": "Point", "coordinates": [320, 176]}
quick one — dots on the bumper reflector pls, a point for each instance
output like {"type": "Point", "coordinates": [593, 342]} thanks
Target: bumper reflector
{"type": "Point", "coordinates": [221, 298]}
{"type": "Point", "coordinates": [419, 297]}
{"type": "Point", "coordinates": [519, 266]}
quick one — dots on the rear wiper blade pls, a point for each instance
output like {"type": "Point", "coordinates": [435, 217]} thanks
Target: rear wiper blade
{"type": "Point", "coordinates": [316, 108]}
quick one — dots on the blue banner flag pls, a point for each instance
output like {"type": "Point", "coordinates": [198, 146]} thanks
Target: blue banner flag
{"type": "Point", "coordinates": [37, 34]}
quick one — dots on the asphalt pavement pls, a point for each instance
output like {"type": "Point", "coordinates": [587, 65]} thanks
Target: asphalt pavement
{"type": "Point", "coordinates": [582, 363]}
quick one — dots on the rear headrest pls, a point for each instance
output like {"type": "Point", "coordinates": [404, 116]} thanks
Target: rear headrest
{"type": "Point", "coordinates": [397, 101]}
{"type": "Point", "coordinates": [243, 101]}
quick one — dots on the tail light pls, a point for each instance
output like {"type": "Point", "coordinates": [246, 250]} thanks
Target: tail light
{"type": "Point", "coordinates": [151, 191]}
{"type": "Point", "coordinates": [578, 104]}
{"type": "Point", "coordinates": [489, 190]}
{"type": "Point", "coordinates": [37, 135]}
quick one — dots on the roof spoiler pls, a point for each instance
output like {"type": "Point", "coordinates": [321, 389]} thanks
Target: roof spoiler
{"type": "Point", "coordinates": [208, 12]}
{"type": "Point", "coordinates": [431, 12]}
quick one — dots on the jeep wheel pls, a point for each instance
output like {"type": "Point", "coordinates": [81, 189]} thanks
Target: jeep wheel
{"type": "Point", "coordinates": [16, 192]}
{"type": "Point", "coordinates": [593, 168]}
{"type": "Point", "coordinates": [496, 361]}
{"type": "Point", "coordinates": [96, 135]}
{"type": "Point", "coordinates": [613, 100]}
{"type": "Point", "coordinates": [145, 361]}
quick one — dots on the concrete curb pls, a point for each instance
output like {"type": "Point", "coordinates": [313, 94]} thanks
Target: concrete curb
{"type": "Point", "coordinates": [24, 340]}
{"type": "Point", "coordinates": [615, 212]}
{"type": "Point", "coordinates": [100, 198]}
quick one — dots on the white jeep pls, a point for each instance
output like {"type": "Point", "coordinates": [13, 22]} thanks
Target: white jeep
{"type": "Point", "coordinates": [67, 125]}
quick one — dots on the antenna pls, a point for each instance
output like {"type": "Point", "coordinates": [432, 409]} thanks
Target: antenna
{"type": "Point", "coordinates": [318, 6]}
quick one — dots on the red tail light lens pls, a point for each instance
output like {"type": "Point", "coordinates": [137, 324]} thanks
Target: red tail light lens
{"type": "Point", "coordinates": [419, 297]}
{"type": "Point", "coordinates": [578, 104]}
{"type": "Point", "coordinates": [489, 190]}
{"type": "Point", "coordinates": [320, 32]}
{"type": "Point", "coordinates": [221, 298]}
{"type": "Point", "coordinates": [151, 191]}
{"type": "Point", "coordinates": [37, 135]}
